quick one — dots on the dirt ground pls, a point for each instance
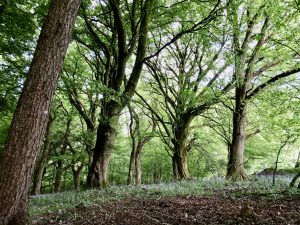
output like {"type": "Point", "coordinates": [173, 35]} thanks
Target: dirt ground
{"type": "Point", "coordinates": [182, 210]}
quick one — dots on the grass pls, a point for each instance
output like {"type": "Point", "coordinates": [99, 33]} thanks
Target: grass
{"type": "Point", "coordinates": [259, 186]}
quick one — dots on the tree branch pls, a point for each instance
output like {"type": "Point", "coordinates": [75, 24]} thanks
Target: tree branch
{"type": "Point", "coordinates": [272, 80]}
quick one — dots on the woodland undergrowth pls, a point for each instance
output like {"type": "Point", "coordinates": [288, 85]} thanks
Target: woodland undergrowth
{"type": "Point", "coordinates": [49, 203]}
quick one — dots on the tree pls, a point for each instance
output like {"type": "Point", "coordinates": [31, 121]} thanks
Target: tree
{"type": "Point", "coordinates": [139, 137]}
{"type": "Point", "coordinates": [32, 113]}
{"type": "Point", "coordinates": [112, 42]}
{"type": "Point", "coordinates": [80, 85]}
{"type": "Point", "coordinates": [68, 146]}
{"type": "Point", "coordinates": [60, 151]}
{"type": "Point", "coordinates": [277, 110]}
{"type": "Point", "coordinates": [190, 78]}
{"type": "Point", "coordinates": [255, 58]}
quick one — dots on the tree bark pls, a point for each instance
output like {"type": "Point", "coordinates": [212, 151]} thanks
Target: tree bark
{"type": "Point", "coordinates": [31, 116]}
{"type": "Point", "coordinates": [97, 174]}
{"type": "Point", "coordinates": [132, 129]}
{"type": "Point", "coordinates": [180, 165]}
{"type": "Point", "coordinates": [235, 166]}
{"type": "Point", "coordinates": [58, 176]}
{"type": "Point", "coordinates": [181, 147]}
{"type": "Point", "coordinates": [76, 176]}
{"type": "Point", "coordinates": [135, 169]}
{"type": "Point", "coordinates": [40, 168]}
{"type": "Point", "coordinates": [131, 166]}
{"type": "Point", "coordinates": [138, 164]}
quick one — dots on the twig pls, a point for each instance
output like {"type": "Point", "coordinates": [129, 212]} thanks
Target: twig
{"type": "Point", "coordinates": [279, 151]}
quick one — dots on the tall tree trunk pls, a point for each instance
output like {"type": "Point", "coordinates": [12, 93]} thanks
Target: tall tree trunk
{"type": "Point", "coordinates": [31, 116]}
{"type": "Point", "coordinates": [97, 174]}
{"type": "Point", "coordinates": [40, 168]}
{"type": "Point", "coordinates": [180, 165]}
{"type": "Point", "coordinates": [137, 158]}
{"type": "Point", "coordinates": [131, 166]}
{"type": "Point", "coordinates": [89, 147]}
{"type": "Point", "coordinates": [106, 133]}
{"type": "Point", "coordinates": [181, 147]}
{"type": "Point", "coordinates": [58, 176]}
{"type": "Point", "coordinates": [138, 165]}
{"type": "Point", "coordinates": [235, 166]}
{"type": "Point", "coordinates": [132, 129]}
{"type": "Point", "coordinates": [76, 176]}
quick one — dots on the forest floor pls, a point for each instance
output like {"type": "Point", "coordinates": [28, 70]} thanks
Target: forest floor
{"type": "Point", "coordinates": [229, 205]}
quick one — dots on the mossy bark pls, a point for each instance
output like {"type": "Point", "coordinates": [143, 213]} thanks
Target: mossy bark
{"type": "Point", "coordinates": [76, 176]}
{"type": "Point", "coordinates": [181, 147]}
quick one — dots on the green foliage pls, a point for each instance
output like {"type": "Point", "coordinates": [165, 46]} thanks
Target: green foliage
{"type": "Point", "coordinates": [16, 18]}
{"type": "Point", "coordinates": [185, 75]}
{"type": "Point", "coordinates": [18, 34]}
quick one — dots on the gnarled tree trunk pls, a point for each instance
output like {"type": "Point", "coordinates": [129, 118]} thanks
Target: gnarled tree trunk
{"type": "Point", "coordinates": [97, 174]}
{"type": "Point", "coordinates": [31, 116]}
{"type": "Point", "coordinates": [106, 133]}
{"type": "Point", "coordinates": [181, 147]}
{"type": "Point", "coordinates": [235, 166]}
{"type": "Point", "coordinates": [76, 176]}
{"type": "Point", "coordinates": [58, 176]}
{"type": "Point", "coordinates": [180, 165]}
